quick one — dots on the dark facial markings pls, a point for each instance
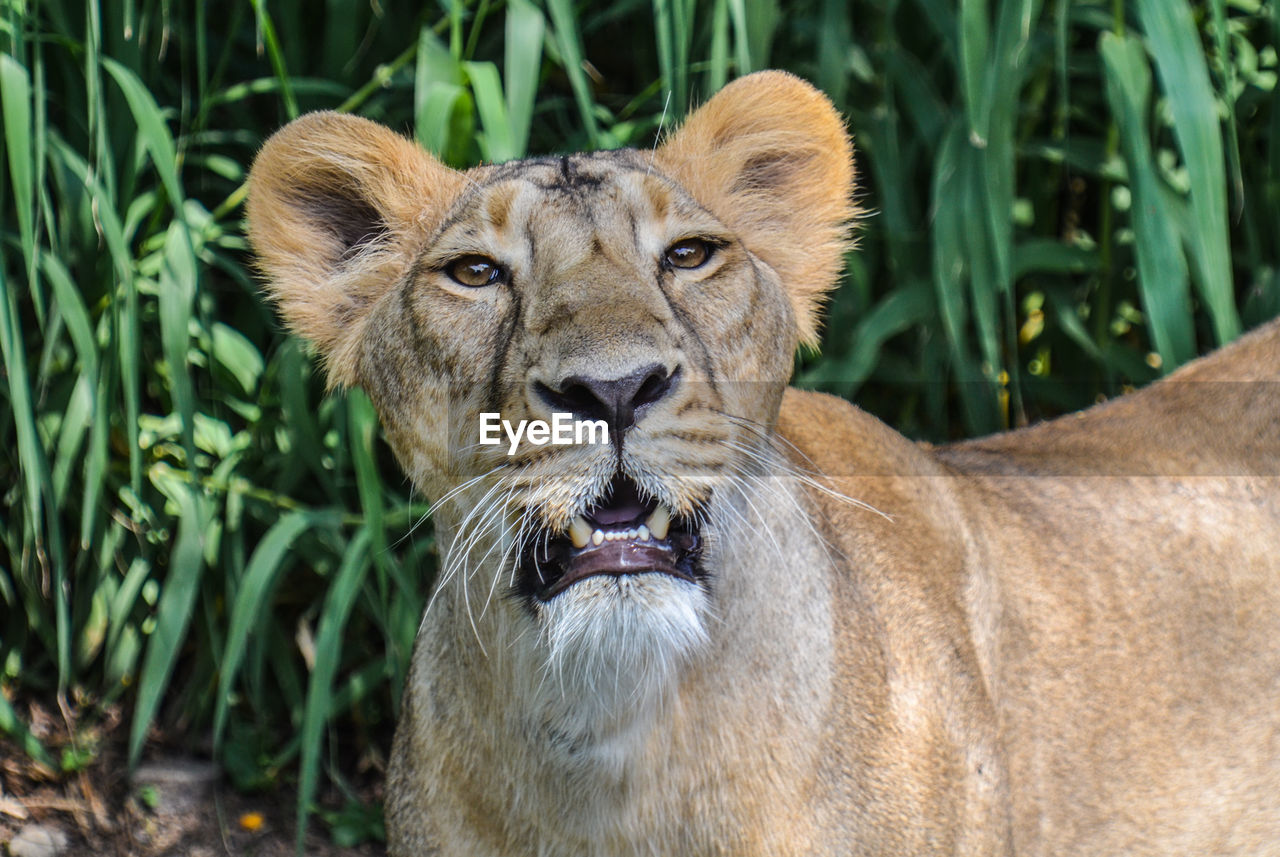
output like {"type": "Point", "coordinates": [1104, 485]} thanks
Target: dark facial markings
{"type": "Point", "coordinates": [689, 329]}
{"type": "Point", "coordinates": [635, 227]}
{"type": "Point", "coordinates": [751, 317]}
{"type": "Point", "coordinates": [501, 346]}
{"type": "Point", "coordinates": [428, 351]}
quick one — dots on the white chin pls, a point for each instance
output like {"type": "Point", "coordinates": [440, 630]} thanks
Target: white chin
{"type": "Point", "coordinates": [612, 647]}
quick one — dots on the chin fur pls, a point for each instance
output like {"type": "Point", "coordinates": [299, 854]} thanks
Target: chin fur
{"type": "Point", "coordinates": [609, 652]}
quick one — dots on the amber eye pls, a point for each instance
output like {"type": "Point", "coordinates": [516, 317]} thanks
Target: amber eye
{"type": "Point", "coordinates": [475, 271]}
{"type": "Point", "coordinates": [689, 253]}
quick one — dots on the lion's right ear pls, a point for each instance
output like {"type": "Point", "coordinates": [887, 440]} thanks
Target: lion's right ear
{"type": "Point", "coordinates": [338, 207]}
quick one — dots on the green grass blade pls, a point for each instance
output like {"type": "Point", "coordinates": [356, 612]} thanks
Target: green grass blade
{"type": "Point", "coordinates": [718, 55]}
{"type": "Point", "coordinates": [682, 34]}
{"type": "Point", "coordinates": [1180, 62]}
{"type": "Point", "coordinates": [123, 601]}
{"type": "Point", "coordinates": [952, 271]}
{"type": "Point", "coordinates": [74, 312]}
{"type": "Point", "coordinates": [363, 420]}
{"type": "Point", "coordinates": [975, 42]}
{"type": "Point", "coordinates": [741, 36]}
{"type": "Point", "coordinates": [125, 321]}
{"type": "Point", "coordinates": [437, 93]}
{"type": "Point", "coordinates": [569, 40]}
{"type": "Point", "coordinates": [333, 621]}
{"type": "Point", "coordinates": [525, 29]}
{"type": "Point", "coordinates": [979, 199]}
{"type": "Point", "coordinates": [753, 25]}
{"type": "Point", "coordinates": [1221, 32]}
{"type": "Point", "coordinates": [251, 598]}
{"type": "Point", "coordinates": [299, 413]}
{"type": "Point", "coordinates": [662, 28]}
{"type": "Point", "coordinates": [1162, 269]}
{"type": "Point", "coordinates": [173, 613]}
{"type": "Point", "coordinates": [240, 357]}
{"type": "Point", "coordinates": [30, 452]}
{"type": "Point", "coordinates": [76, 420]}
{"type": "Point", "coordinates": [673, 26]}
{"type": "Point", "coordinates": [267, 31]}
{"type": "Point", "coordinates": [95, 466]}
{"type": "Point", "coordinates": [20, 149]}
{"type": "Point", "coordinates": [152, 129]}
{"type": "Point", "coordinates": [497, 144]}
{"type": "Point", "coordinates": [128, 336]}
{"type": "Point", "coordinates": [178, 275]}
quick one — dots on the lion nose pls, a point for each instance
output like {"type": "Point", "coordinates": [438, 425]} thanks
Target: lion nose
{"type": "Point", "coordinates": [617, 401]}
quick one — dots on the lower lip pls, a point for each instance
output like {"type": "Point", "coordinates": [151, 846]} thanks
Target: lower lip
{"type": "Point", "coordinates": [617, 559]}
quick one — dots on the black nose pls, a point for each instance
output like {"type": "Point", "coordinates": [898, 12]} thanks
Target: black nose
{"type": "Point", "coordinates": [614, 400]}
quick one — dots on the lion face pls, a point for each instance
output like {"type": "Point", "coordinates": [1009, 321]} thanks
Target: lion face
{"type": "Point", "coordinates": [593, 287]}
{"type": "Point", "coordinates": [659, 295]}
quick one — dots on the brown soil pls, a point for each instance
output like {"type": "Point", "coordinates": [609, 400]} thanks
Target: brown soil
{"type": "Point", "coordinates": [186, 810]}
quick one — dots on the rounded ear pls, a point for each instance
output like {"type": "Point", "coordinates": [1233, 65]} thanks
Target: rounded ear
{"type": "Point", "coordinates": [770, 157]}
{"type": "Point", "coordinates": [338, 208]}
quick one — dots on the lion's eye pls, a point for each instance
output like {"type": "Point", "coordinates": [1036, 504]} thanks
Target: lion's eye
{"type": "Point", "coordinates": [689, 253]}
{"type": "Point", "coordinates": [475, 271]}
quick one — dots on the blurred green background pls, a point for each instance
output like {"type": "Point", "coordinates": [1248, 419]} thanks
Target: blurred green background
{"type": "Point", "coordinates": [1064, 199]}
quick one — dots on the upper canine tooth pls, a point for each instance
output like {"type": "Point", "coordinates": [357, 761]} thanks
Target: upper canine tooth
{"type": "Point", "coordinates": [659, 522]}
{"type": "Point", "coordinates": [580, 532]}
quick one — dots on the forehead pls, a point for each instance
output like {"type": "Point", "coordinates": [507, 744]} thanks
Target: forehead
{"type": "Point", "coordinates": [571, 174]}
{"type": "Point", "coordinates": [601, 190]}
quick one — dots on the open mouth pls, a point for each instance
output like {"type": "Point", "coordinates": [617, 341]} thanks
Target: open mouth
{"type": "Point", "coordinates": [625, 533]}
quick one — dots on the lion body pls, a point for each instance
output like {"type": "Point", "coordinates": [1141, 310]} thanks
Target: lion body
{"type": "Point", "coordinates": [1064, 639]}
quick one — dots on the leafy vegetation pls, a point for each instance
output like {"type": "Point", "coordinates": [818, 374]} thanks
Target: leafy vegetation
{"type": "Point", "coordinates": [1062, 198]}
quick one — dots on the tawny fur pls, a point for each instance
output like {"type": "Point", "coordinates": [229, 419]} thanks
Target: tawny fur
{"type": "Point", "coordinates": [1061, 640]}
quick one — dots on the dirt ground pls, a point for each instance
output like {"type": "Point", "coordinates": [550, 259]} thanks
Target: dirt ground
{"type": "Point", "coordinates": [175, 805]}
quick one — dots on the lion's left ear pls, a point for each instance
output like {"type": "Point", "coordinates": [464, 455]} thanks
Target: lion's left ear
{"type": "Point", "coordinates": [770, 157]}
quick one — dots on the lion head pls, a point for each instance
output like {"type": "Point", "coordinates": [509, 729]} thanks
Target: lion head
{"type": "Point", "coordinates": [660, 294]}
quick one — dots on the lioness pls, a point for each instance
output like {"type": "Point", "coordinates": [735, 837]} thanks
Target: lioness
{"type": "Point", "coordinates": [757, 621]}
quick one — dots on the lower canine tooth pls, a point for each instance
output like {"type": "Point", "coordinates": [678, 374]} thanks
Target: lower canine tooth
{"type": "Point", "coordinates": [597, 537]}
{"type": "Point", "coordinates": [580, 532]}
{"type": "Point", "coordinates": [644, 533]}
{"type": "Point", "coordinates": [659, 522]}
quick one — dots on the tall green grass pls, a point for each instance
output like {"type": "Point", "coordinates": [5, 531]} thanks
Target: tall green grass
{"type": "Point", "coordinates": [1063, 199]}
